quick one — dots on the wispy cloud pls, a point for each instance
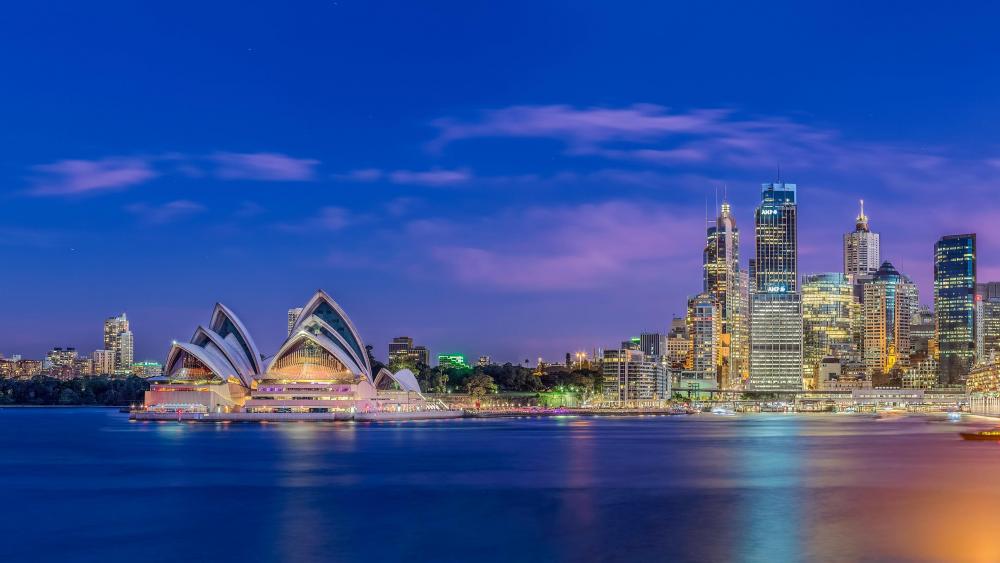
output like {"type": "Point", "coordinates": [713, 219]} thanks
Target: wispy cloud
{"type": "Point", "coordinates": [432, 177]}
{"type": "Point", "coordinates": [82, 177]}
{"type": "Point", "coordinates": [723, 139]}
{"type": "Point", "coordinates": [75, 177]}
{"type": "Point", "coordinates": [264, 166]}
{"type": "Point", "coordinates": [573, 247]}
{"type": "Point", "coordinates": [166, 212]}
{"type": "Point", "coordinates": [328, 219]}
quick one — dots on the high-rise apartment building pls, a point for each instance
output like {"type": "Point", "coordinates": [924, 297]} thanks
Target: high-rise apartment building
{"type": "Point", "coordinates": [775, 302]}
{"type": "Point", "coordinates": [887, 306]}
{"type": "Point", "coordinates": [704, 326]}
{"type": "Point", "coordinates": [403, 354]}
{"type": "Point", "coordinates": [104, 362]}
{"type": "Point", "coordinates": [861, 249]}
{"type": "Point", "coordinates": [118, 339]}
{"type": "Point", "coordinates": [826, 320]}
{"type": "Point", "coordinates": [955, 305]}
{"type": "Point", "coordinates": [989, 322]}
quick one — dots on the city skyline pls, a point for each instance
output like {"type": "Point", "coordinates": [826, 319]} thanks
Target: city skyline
{"type": "Point", "coordinates": [562, 202]}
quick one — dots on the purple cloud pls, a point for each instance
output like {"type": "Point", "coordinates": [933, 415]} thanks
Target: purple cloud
{"type": "Point", "coordinates": [577, 247]}
{"type": "Point", "coordinates": [651, 135]}
{"type": "Point", "coordinates": [436, 177]}
{"type": "Point", "coordinates": [328, 219]}
{"type": "Point", "coordinates": [82, 177]}
{"type": "Point", "coordinates": [433, 177]}
{"type": "Point", "coordinates": [580, 128]}
{"type": "Point", "coordinates": [264, 166]}
{"type": "Point", "coordinates": [167, 212]}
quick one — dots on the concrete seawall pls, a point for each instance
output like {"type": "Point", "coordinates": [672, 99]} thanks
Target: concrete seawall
{"type": "Point", "coordinates": [294, 417]}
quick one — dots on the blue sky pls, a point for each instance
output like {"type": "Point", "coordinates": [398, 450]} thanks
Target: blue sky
{"type": "Point", "coordinates": [515, 179]}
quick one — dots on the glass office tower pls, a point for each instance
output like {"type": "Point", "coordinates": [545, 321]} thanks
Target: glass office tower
{"type": "Point", "coordinates": [955, 304]}
{"type": "Point", "coordinates": [775, 303]}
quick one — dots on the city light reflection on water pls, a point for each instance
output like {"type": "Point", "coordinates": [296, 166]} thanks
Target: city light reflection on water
{"type": "Point", "coordinates": [86, 485]}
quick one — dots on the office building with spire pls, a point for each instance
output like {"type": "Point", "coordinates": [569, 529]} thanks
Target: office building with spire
{"type": "Point", "coordinates": [722, 281]}
{"type": "Point", "coordinates": [861, 249]}
{"type": "Point", "coordinates": [775, 302]}
{"type": "Point", "coordinates": [955, 305]}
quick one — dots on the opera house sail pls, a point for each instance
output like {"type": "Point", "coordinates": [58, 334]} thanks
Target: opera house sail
{"type": "Point", "coordinates": [322, 371]}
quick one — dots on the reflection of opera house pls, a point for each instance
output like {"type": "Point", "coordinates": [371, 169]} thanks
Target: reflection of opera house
{"type": "Point", "coordinates": [321, 372]}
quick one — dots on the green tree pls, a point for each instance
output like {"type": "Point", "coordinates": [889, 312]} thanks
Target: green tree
{"type": "Point", "coordinates": [479, 385]}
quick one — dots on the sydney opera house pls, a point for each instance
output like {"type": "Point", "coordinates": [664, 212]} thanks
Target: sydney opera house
{"type": "Point", "coordinates": [321, 372]}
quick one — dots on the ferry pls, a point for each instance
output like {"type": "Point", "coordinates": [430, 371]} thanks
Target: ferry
{"type": "Point", "coordinates": [990, 435]}
{"type": "Point", "coordinates": [723, 411]}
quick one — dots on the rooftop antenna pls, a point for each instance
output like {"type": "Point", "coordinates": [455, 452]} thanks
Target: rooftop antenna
{"type": "Point", "coordinates": [779, 172]}
{"type": "Point", "coordinates": [716, 199]}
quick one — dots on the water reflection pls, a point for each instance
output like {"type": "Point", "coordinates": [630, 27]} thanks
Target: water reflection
{"type": "Point", "coordinates": [765, 488]}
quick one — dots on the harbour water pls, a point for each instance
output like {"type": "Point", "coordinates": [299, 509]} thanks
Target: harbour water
{"type": "Point", "coordinates": [88, 485]}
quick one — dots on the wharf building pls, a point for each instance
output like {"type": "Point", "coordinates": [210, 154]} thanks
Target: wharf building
{"type": "Point", "coordinates": [775, 301]}
{"type": "Point", "coordinates": [955, 305]}
{"type": "Point", "coordinates": [321, 372]}
{"type": "Point", "coordinates": [629, 377]}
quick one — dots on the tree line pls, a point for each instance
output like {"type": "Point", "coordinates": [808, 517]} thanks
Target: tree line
{"type": "Point", "coordinates": [97, 390]}
{"type": "Point", "coordinates": [478, 380]}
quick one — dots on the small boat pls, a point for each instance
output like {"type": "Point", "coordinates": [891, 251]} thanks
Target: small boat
{"type": "Point", "coordinates": [722, 411]}
{"type": "Point", "coordinates": [985, 435]}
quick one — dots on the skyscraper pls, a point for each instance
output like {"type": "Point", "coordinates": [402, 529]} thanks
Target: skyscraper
{"type": "Point", "coordinates": [989, 295]}
{"type": "Point", "coordinates": [826, 319]}
{"type": "Point", "coordinates": [887, 305]}
{"type": "Point", "coordinates": [954, 304]}
{"type": "Point", "coordinates": [722, 280]}
{"type": "Point", "coordinates": [126, 353]}
{"type": "Point", "coordinates": [861, 248]}
{"type": "Point", "coordinates": [775, 303]}
{"type": "Point", "coordinates": [704, 326]}
{"type": "Point", "coordinates": [118, 340]}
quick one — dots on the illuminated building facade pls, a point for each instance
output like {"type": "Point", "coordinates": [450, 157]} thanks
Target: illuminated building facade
{"type": "Point", "coordinates": [320, 372]}
{"type": "Point", "coordinates": [775, 302]}
{"type": "Point", "coordinates": [989, 319]}
{"type": "Point", "coordinates": [456, 361]}
{"type": "Point", "coordinates": [118, 339]}
{"type": "Point", "coordinates": [826, 320]}
{"type": "Point", "coordinates": [704, 326]}
{"type": "Point", "coordinates": [954, 305]}
{"type": "Point", "coordinates": [861, 249]}
{"type": "Point", "coordinates": [889, 299]}
{"type": "Point", "coordinates": [628, 375]}
{"type": "Point", "coordinates": [403, 354]}
{"type": "Point", "coordinates": [723, 280]}
{"type": "Point", "coordinates": [104, 362]}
